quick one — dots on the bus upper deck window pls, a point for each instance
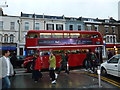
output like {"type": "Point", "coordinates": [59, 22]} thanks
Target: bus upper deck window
{"type": "Point", "coordinates": [95, 36]}
{"type": "Point", "coordinates": [74, 35]}
{"type": "Point", "coordinates": [57, 35]}
{"type": "Point", "coordinates": [45, 35]}
{"type": "Point", "coordinates": [86, 36]}
{"type": "Point", "coordinates": [66, 35]}
{"type": "Point", "coordinates": [33, 35]}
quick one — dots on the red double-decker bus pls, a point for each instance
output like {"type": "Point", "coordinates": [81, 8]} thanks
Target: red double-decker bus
{"type": "Point", "coordinates": [74, 43]}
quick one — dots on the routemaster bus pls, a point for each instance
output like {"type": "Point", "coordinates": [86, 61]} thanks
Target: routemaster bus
{"type": "Point", "coordinates": [74, 43]}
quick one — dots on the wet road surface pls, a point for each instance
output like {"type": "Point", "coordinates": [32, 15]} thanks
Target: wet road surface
{"type": "Point", "coordinates": [75, 79]}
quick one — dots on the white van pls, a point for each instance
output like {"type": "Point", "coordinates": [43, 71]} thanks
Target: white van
{"type": "Point", "coordinates": [111, 66]}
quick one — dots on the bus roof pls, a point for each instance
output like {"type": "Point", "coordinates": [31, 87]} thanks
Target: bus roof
{"type": "Point", "coordinates": [60, 31]}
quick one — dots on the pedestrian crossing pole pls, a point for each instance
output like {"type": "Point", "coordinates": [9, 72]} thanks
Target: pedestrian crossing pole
{"type": "Point", "coordinates": [99, 78]}
{"type": "Point", "coordinates": [67, 66]}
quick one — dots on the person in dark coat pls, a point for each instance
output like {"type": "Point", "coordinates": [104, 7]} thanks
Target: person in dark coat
{"type": "Point", "coordinates": [88, 60]}
{"type": "Point", "coordinates": [64, 63]}
{"type": "Point", "coordinates": [36, 66]}
{"type": "Point", "coordinates": [93, 61]}
{"type": "Point", "coordinates": [109, 54]}
{"type": "Point", "coordinates": [13, 60]}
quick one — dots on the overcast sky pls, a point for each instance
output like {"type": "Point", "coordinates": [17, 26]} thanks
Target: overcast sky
{"type": "Point", "coordinates": [70, 8]}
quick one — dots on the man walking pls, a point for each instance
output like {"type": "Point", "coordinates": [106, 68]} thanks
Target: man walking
{"type": "Point", "coordinates": [64, 62]}
{"type": "Point", "coordinates": [88, 60]}
{"type": "Point", "coordinates": [6, 69]}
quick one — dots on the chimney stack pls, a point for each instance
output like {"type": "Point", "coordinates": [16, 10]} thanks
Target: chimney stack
{"type": "Point", "coordinates": [1, 12]}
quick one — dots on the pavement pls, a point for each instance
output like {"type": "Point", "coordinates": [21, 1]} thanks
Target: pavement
{"type": "Point", "coordinates": [75, 79]}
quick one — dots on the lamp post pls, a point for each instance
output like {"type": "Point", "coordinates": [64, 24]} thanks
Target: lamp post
{"type": "Point", "coordinates": [114, 44]}
{"type": "Point", "coordinates": [34, 21]}
{"type": "Point", "coordinates": [19, 34]}
{"type": "Point", "coordinates": [44, 24]}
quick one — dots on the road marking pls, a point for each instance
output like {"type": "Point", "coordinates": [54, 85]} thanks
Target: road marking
{"type": "Point", "coordinates": [103, 78]}
{"type": "Point", "coordinates": [106, 79]}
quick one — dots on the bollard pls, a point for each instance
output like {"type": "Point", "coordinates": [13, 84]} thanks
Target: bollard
{"type": "Point", "coordinates": [99, 78]}
{"type": "Point", "coordinates": [67, 66]}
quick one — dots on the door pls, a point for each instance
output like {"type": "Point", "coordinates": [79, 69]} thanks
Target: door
{"type": "Point", "coordinates": [112, 66]}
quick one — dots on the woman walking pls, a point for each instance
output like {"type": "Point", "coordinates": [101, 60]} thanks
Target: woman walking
{"type": "Point", "coordinates": [52, 67]}
{"type": "Point", "coordinates": [36, 65]}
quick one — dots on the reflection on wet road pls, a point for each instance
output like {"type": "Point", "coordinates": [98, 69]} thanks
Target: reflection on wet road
{"type": "Point", "coordinates": [76, 79]}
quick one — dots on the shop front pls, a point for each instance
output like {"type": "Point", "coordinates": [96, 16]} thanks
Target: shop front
{"type": "Point", "coordinates": [114, 48]}
{"type": "Point", "coordinates": [8, 46]}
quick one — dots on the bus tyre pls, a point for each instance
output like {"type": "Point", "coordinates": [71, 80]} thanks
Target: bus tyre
{"type": "Point", "coordinates": [29, 67]}
{"type": "Point", "coordinates": [103, 71]}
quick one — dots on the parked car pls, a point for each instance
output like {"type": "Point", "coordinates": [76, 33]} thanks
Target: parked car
{"type": "Point", "coordinates": [111, 66]}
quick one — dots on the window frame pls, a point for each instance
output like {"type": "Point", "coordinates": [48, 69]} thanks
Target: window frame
{"type": "Point", "coordinates": [12, 25]}
{"type": "Point", "coordinates": [1, 25]}
{"type": "Point", "coordinates": [59, 26]}
{"type": "Point", "coordinates": [11, 38]}
{"type": "Point", "coordinates": [49, 26]}
{"type": "Point", "coordinates": [26, 25]}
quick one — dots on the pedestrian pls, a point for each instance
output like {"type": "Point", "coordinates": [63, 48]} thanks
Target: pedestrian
{"type": "Point", "coordinates": [6, 69]}
{"type": "Point", "coordinates": [36, 68]}
{"type": "Point", "coordinates": [64, 63]}
{"type": "Point", "coordinates": [13, 60]}
{"type": "Point", "coordinates": [87, 60]}
{"type": "Point", "coordinates": [52, 67]}
{"type": "Point", "coordinates": [97, 55]}
{"type": "Point", "coordinates": [93, 61]}
{"type": "Point", "coordinates": [109, 54]}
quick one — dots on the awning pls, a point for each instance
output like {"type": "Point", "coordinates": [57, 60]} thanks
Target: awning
{"type": "Point", "coordinates": [7, 47]}
{"type": "Point", "coordinates": [112, 45]}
